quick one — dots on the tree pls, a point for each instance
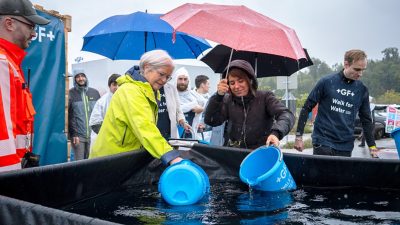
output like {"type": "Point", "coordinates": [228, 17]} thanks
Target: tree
{"type": "Point", "coordinates": [391, 54]}
{"type": "Point", "coordinates": [310, 77]}
{"type": "Point", "coordinates": [382, 77]}
{"type": "Point", "coordinates": [390, 97]}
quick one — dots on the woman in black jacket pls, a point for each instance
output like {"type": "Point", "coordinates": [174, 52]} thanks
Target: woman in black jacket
{"type": "Point", "coordinates": [254, 118]}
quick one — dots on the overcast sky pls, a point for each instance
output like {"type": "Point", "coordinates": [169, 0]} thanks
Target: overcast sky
{"type": "Point", "coordinates": [326, 28]}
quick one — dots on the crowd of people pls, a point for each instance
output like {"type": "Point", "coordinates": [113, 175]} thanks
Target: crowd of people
{"type": "Point", "coordinates": [153, 102]}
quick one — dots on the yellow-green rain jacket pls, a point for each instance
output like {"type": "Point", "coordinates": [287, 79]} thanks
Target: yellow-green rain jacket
{"type": "Point", "coordinates": [130, 122]}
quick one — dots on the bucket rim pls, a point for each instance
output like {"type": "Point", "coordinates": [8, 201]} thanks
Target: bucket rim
{"type": "Point", "coordinates": [197, 174]}
{"type": "Point", "coordinates": [393, 131]}
{"type": "Point", "coordinates": [267, 174]}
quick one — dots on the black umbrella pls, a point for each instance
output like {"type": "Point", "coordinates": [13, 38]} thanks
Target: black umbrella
{"type": "Point", "coordinates": [265, 65]}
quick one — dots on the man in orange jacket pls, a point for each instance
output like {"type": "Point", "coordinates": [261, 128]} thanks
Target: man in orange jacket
{"type": "Point", "coordinates": [18, 19]}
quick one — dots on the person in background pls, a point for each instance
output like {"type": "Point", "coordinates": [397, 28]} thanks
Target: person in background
{"type": "Point", "coordinates": [189, 103]}
{"type": "Point", "coordinates": [18, 20]}
{"type": "Point", "coordinates": [339, 96]}
{"type": "Point", "coordinates": [131, 120]}
{"type": "Point", "coordinates": [202, 86]}
{"type": "Point", "coordinates": [253, 118]}
{"type": "Point", "coordinates": [82, 99]}
{"type": "Point", "coordinates": [101, 106]}
{"type": "Point", "coordinates": [169, 111]}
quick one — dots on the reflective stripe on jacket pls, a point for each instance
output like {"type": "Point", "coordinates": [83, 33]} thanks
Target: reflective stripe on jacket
{"type": "Point", "coordinates": [16, 108]}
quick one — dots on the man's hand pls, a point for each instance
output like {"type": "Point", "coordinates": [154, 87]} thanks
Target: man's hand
{"type": "Point", "coordinates": [201, 127]}
{"type": "Point", "coordinates": [272, 140]}
{"type": "Point", "coordinates": [299, 144]}
{"type": "Point", "coordinates": [75, 140]}
{"type": "Point", "coordinates": [187, 127]}
{"type": "Point", "coordinates": [374, 151]}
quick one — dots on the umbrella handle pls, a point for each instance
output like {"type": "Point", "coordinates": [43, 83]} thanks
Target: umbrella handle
{"type": "Point", "coordinates": [229, 62]}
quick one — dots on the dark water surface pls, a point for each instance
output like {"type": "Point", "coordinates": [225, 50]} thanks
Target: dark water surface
{"type": "Point", "coordinates": [232, 203]}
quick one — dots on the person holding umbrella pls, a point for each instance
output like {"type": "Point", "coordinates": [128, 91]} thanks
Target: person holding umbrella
{"type": "Point", "coordinates": [254, 118]}
{"type": "Point", "coordinates": [131, 120]}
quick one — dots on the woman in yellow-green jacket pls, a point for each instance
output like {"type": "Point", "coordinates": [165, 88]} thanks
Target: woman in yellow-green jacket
{"type": "Point", "coordinates": [131, 119]}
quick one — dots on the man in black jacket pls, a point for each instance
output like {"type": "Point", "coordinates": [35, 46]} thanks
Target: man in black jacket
{"type": "Point", "coordinates": [339, 96]}
{"type": "Point", "coordinates": [254, 118]}
{"type": "Point", "coordinates": [80, 105]}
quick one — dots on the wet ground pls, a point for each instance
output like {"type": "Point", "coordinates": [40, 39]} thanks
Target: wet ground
{"type": "Point", "coordinates": [388, 146]}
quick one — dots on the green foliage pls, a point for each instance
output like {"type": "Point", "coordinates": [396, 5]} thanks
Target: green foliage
{"type": "Point", "coordinates": [307, 128]}
{"type": "Point", "coordinates": [301, 100]}
{"type": "Point", "coordinates": [390, 97]}
{"type": "Point", "coordinates": [380, 76]}
{"type": "Point", "coordinates": [266, 83]}
{"type": "Point", "coordinates": [308, 78]}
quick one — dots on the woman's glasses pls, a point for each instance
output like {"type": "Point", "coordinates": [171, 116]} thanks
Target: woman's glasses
{"type": "Point", "coordinates": [162, 75]}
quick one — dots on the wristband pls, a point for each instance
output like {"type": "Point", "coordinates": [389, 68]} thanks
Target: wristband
{"type": "Point", "coordinates": [373, 147]}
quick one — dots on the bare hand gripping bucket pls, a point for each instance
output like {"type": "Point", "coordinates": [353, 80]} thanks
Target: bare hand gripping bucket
{"type": "Point", "coordinates": [183, 183]}
{"type": "Point", "coordinates": [264, 169]}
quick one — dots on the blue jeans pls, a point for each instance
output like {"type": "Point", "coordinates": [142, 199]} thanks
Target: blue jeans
{"type": "Point", "coordinates": [325, 150]}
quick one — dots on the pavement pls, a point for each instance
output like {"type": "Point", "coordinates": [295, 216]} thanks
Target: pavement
{"type": "Point", "coordinates": [387, 148]}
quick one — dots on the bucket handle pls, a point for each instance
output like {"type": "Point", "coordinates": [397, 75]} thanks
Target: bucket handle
{"type": "Point", "coordinates": [280, 151]}
{"type": "Point", "coordinates": [258, 179]}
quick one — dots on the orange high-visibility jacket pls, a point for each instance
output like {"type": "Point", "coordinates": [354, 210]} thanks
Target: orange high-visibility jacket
{"type": "Point", "coordinates": [16, 108]}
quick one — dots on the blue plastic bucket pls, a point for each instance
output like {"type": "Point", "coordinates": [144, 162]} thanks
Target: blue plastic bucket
{"type": "Point", "coordinates": [396, 136]}
{"type": "Point", "coordinates": [183, 183]}
{"type": "Point", "coordinates": [264, 169]}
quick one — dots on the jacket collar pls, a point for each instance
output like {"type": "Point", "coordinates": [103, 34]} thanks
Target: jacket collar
{"type": "Point", "coordinates": [344, 78]}
{"type": "Point", "coordinates": [16, 53]}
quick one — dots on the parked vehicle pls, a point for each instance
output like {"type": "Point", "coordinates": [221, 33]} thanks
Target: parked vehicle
{"type": "Point", "coordinates": [379, 118]}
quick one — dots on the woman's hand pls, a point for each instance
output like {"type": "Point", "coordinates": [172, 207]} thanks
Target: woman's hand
{"type": "Point", "coordinates": [176, 160]}
{"type": "Point", "coordinates": [223, 87]}
{"type": "Point", "coordinates": [272, 140]}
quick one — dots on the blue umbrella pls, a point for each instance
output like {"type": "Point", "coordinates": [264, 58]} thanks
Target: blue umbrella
{"type": "Point", "coordinates": [129, 36]}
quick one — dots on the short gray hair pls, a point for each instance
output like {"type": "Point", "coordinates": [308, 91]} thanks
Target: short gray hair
{"type": "Point", "coordinates": [155, 59]}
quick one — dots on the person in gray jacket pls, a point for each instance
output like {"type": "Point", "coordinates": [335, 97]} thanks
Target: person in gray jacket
{"type": "Point", "coordinates": [81, 101]}
{"type": "Point", "coordinates": [254, 118]}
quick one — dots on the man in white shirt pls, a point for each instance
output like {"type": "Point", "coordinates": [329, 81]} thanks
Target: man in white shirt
{"type": "Point", "coordinates": [190, 106]}
{"type": "Point", "coordinates": [202, 84]}
{"type": "Point", "coordinates": [101, 106]}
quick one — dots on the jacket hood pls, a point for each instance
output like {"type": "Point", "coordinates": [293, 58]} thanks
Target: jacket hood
{"type": "Point", "coordinates": [76, 85]}
{"type": "Point", "coordinates": [179, 72]}
{"type": "Point", "coordinates": [134, 73]}
{"type": "Point", "coordinates": [247, 68]}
